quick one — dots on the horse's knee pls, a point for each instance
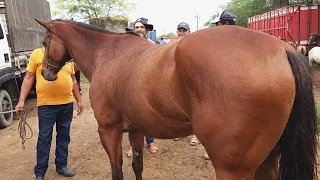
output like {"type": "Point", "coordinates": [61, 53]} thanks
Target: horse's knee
{"type": "Point", "coordinates": [137, 159]}
{"type": "Point", "coordinates": [137, 162]}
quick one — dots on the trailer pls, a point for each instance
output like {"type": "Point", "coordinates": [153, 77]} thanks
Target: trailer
{"type": "Point", "coordinates": [297, 24]}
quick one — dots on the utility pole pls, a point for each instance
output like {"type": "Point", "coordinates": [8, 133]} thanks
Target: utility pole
{"type": "Point", "coordinates": [197, 16]}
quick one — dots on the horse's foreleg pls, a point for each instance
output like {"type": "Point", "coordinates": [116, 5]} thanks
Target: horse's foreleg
{"type": "Point", "coordinates": [111, 137]}
{"type": "Point", "coordinates": [137, 144]}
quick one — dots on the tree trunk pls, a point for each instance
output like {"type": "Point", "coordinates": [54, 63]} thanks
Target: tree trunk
{"type": "Point", "coordinates": [284, 3]}
{"type": "Point", "coordinates": [280, 3]}
{"type": "Point", "coordinates": [276, 3]}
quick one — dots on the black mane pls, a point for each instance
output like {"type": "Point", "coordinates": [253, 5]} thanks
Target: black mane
{"type": "Point", "coordinates": [93, 27]}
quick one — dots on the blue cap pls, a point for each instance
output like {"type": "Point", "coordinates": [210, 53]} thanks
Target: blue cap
{"type": "Point", "coordinates": [224, 15]}
{"type": "Point", "coordinates": [184, 26]}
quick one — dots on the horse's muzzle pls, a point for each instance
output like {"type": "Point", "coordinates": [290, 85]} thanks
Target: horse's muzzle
{"type": "Point", "coordinates": [48, 75]}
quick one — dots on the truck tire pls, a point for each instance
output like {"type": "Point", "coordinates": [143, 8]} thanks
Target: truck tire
{"type": "Point", "coordinates": [5, 105]}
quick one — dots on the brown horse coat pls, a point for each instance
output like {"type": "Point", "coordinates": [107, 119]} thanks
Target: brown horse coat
{"type": "Point", "coordinates": [238, 90]}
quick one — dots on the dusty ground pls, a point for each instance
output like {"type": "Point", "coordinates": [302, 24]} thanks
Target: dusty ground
{"type": "Point", "coordinates": [176, 160]}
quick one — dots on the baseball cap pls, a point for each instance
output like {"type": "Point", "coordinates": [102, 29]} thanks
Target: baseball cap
{"type": "Point", "coordinates": [224, 15]}
{"type": "Point", "coordinates": [130, 26]}
{"type": "Point", "coordinates": [144, 21]}
{"type": "Point", "coordinates": [184, 26]}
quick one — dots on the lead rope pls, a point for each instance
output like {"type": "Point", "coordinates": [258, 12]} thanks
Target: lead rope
{"type": "Point", "coordinates": [22, 126]}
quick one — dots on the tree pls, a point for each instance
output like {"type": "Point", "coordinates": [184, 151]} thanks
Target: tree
{"type": "Point", "coordinates": [170, 35]}
{"type": "Point", "coordinates": [85, 9]}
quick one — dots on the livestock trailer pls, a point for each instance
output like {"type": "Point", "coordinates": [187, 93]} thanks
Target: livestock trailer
{"type": "Point", "coordinates": [293, 24]}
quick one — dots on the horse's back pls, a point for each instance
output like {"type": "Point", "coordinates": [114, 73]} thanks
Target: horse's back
{"type": "Point", "coordinates": [233, 57]}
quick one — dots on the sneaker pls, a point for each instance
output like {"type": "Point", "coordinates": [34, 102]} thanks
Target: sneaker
{"type": "Point", "coordinates": [39, 177]}
{"type": "Point", "coordinates": [65, 171]}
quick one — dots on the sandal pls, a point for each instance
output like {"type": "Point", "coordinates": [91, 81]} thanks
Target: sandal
{"type": "Point", "coordinates": [152, 148]}
{"type": "Point", "coordinates": [194, 141]}
{"type": "Point", "coordinates": [129, 153]}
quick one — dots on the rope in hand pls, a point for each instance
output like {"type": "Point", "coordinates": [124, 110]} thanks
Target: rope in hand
{"type": "Point", "coordinates": [22, 125]}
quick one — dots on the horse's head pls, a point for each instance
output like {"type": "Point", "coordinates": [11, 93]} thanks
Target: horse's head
{"type": "Point", "coordinates": [56, 54]}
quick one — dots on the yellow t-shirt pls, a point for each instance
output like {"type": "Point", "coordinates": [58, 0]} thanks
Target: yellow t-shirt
{"type": "Point", "coordinates": [51, 92]}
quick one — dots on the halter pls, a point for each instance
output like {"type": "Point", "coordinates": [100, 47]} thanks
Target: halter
{"type": "Point", "coordinates": [48, 63]}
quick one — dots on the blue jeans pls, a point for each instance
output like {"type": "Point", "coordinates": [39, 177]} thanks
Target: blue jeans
{"type": "Point", "coordinates": [48, 116]}
{"type": "Point", "coordinates": [149, 140]}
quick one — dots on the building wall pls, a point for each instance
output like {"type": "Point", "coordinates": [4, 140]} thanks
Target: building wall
{"type": "Point", "coordinates": [117, 25]}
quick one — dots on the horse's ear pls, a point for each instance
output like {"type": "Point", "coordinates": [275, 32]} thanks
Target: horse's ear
{"type": "Point", "coordinates": [43, 23]}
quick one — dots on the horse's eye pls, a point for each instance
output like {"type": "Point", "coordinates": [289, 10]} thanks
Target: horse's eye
{"type": "Point", "coordinates": [44, 44]}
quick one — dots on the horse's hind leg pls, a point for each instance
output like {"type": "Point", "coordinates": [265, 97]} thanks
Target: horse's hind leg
{"type": "Point", "coordinates": [237, 153]}
{"type": "Point", "coordinates": [111, 137]}
{"type": "Point", "coordinates": [269, 169]}
{"type": "Point", "coordinates": [137, 144]}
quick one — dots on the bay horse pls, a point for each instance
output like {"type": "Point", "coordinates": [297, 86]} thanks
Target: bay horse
{"type": "Point", "coordinates": [250, 104]}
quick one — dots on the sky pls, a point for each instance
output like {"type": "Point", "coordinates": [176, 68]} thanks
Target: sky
{"type": "Point", "coordinates": [165, 15]}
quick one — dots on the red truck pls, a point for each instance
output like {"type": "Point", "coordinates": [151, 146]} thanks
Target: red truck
{"type": "Point", "coordinates": [297, 24]}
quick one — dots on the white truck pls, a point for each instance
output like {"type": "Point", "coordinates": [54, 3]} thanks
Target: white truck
{"type": "Point", "coordinates": [19, 35]}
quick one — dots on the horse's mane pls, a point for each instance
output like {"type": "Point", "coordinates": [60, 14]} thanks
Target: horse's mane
{"type": "Point", "coordinates": [93, 27]}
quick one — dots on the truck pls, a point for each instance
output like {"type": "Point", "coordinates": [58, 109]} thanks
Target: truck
{"type": "Point", "coordinates": [299, 25]}
{"type": "Point", "coordinates": [20, 34]}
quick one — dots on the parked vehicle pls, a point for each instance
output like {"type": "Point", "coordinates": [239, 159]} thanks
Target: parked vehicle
{"type": "Point", "coordinates": [19, 35]}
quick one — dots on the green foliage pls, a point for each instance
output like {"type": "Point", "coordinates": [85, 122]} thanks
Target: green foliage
{"type": "Point", "coordinates": [243, 9]}
{"type": "Point", "coordinates": [318, 119]}
{"type": "Point", "coordinates": [102, 21]}
{"type": "Point", "coordinates": [85, 9]}
{"type": "Point", "coordinates": [168, 36]}
{"type": "Point", "coordinates": [83, 79]}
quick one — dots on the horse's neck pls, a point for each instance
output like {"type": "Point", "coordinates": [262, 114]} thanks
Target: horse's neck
{"type": "Point", "coordinates": [86, 53]}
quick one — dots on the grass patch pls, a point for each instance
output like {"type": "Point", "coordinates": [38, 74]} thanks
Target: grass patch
{"type": "Point", "coordinates": [318, 119]}
{"type": "Point", "coordinates": [83, 79]}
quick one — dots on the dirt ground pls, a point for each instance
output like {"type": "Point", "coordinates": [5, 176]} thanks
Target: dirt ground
{"type": "Point", "coordinates": [176, 160]}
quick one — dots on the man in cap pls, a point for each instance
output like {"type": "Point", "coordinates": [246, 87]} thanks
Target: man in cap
{"type": "Point", "coordinates": [161, 41]}
{"type": "Point", "coordinates": [142, 27]}
{"type": "Point", "coordinates": [183, 29]}
{"type": "Point", "coordinates": [224, 17]}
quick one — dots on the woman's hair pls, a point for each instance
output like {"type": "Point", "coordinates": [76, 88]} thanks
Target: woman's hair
{"type": "Point", "coordinates": [230, 22]}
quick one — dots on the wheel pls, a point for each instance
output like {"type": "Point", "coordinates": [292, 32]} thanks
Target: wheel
{"type": "Point", "coordinates": [5, 105]}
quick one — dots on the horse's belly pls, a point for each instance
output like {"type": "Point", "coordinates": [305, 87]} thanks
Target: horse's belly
{"type": "Point", "coordinates": [160, 128]}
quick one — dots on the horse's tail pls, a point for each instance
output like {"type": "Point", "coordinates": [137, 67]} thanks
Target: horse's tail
{"type": "Point", "coordinates": [299, 141]}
